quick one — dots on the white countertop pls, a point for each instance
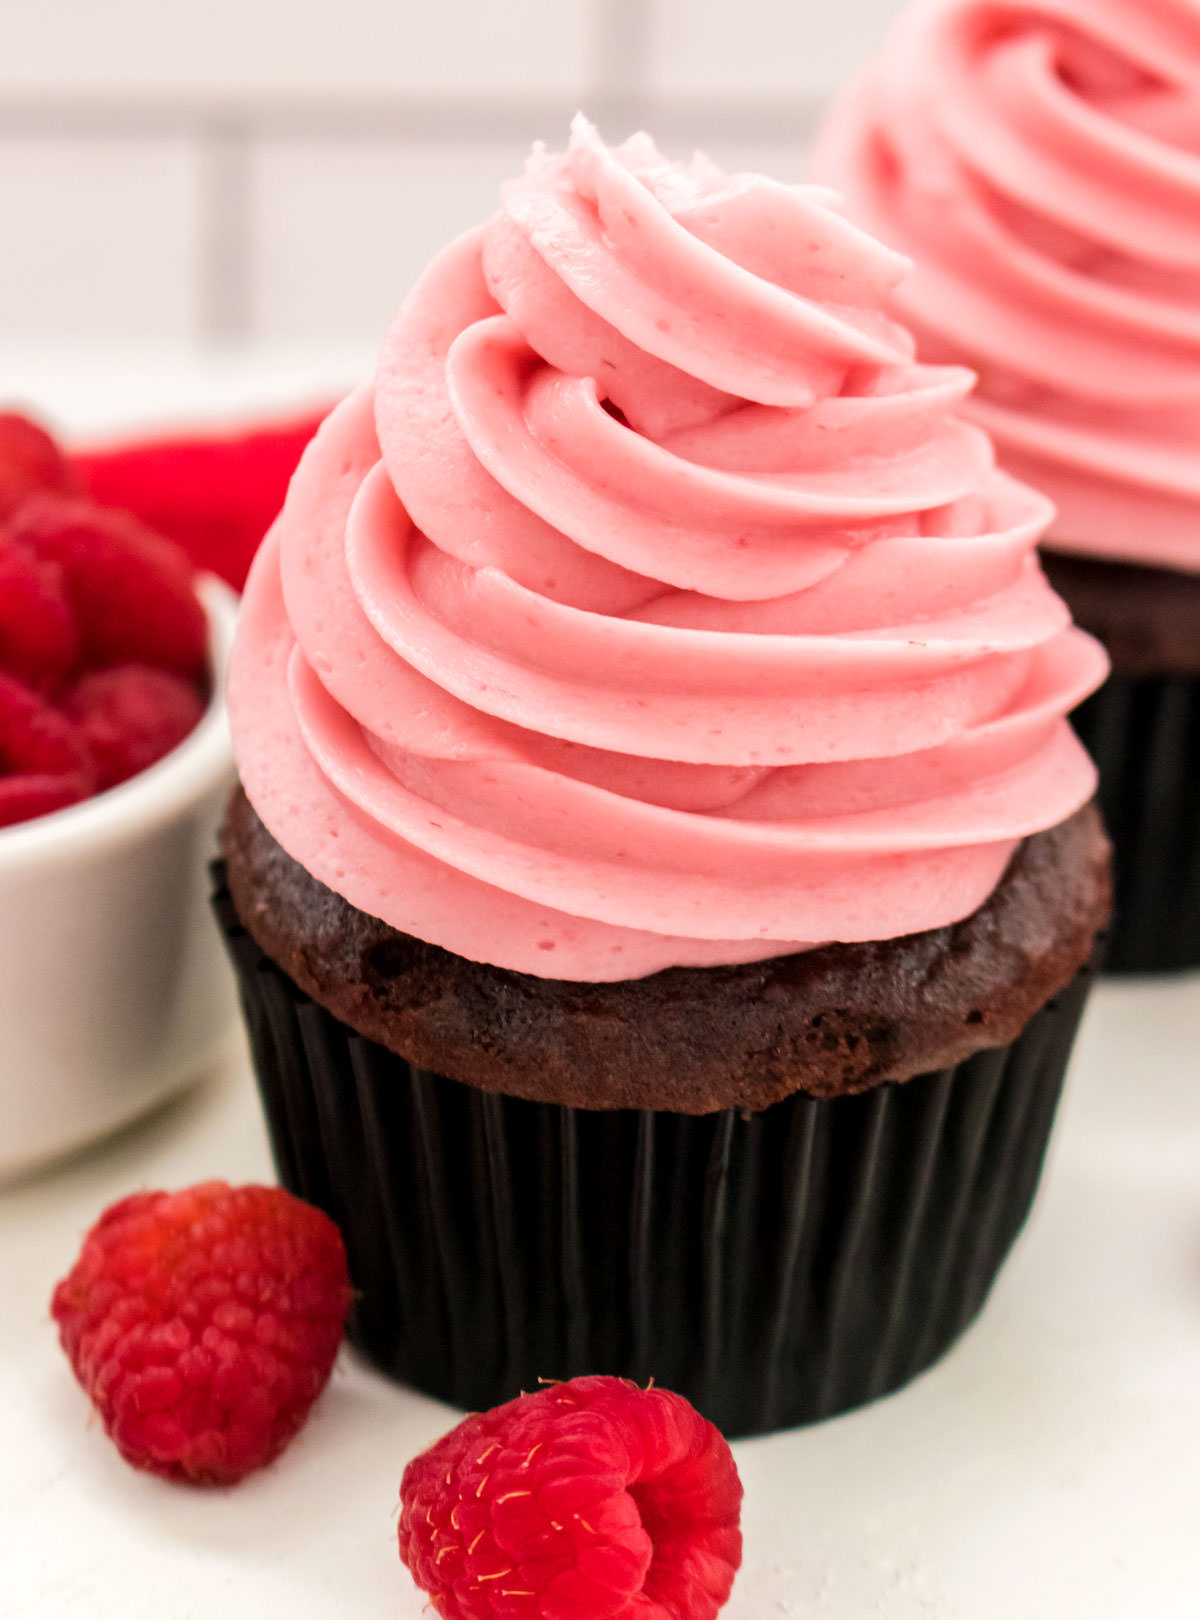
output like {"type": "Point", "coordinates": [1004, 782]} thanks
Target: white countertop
{"type": "Point", "coordinates": [1047, 1469]}
{"type": "Point", "coordinates": [88, 390]}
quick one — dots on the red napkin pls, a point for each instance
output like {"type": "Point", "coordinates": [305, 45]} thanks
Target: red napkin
{"type": "Point", "coordinates": [216, 494]}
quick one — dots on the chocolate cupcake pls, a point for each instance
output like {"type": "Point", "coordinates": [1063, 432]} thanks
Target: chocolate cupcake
{"type": "Point", "coordinates": [664, 883]}
{"type": "Point", "coordinates": [1039, 163]}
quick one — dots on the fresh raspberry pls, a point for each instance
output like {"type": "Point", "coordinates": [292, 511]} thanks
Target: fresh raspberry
{"type": "Point", "coordinates": [30, 461]}
{"type": "Point", "coordinates": [24, 797]}
{"type": "Point", "coordinates": [591, 1500]}
{"type": "Point", "coordinates": [132, 591]}
{"type": "Point", "coordinates": [203, 1324]}
{"type": "Point", "coordinates": [130, 716]}
{"type": "Point", "coordinates": [36, 739]}
{"type": "Point", "coordinates": [44, 765]}
{"type": "Point", "coordinates": [38, 640]}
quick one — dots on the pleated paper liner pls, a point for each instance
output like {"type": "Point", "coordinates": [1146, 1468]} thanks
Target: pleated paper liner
{"type": "Point", "coordinates": [1144, 734]}
{"type": "Point", "coordinates": [775, 1268]}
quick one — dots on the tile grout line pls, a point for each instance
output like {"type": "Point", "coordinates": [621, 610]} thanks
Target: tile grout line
{"type": "Point", "coordinates": [224, 247]}
{"type": "Point", "coordinates": [397, 118]}
{"type": "Point", "coordinates": [225, 129]}
{"type": "Point", "coordinates": [621, 64]}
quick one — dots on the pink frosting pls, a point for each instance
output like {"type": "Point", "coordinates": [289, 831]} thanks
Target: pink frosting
{"type": "Point", "coordinates": [1040, 160]}
{"type": "Point", "coordinates": [651, 606]}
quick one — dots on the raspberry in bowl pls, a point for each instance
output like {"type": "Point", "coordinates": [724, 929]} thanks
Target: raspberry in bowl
{"type": "Point", "coordinates": [114, 756]}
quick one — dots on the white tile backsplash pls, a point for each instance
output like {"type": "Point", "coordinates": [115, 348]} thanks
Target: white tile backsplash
{"type": "Point", "coordinates": [776, 48]}
{"type": "Point", "coordinates": [282, 169]}
{"type": "Point", "coordinates": [783, 158]}
{"type": "Point", "coordinates": [100, 236]}
{"type": "Point", "coordinates": [239, 47]}
{"type": "Point", "coordinates": [341, 230]}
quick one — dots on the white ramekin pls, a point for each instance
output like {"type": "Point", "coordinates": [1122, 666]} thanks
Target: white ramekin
{"type": "Point", "coordinates": [114, 989]}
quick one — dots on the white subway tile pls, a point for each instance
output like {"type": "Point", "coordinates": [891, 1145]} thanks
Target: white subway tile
{"type": "Point", "coordinates": [735, 152]}
{"type": "Point", "coordinates": [100, 237]}
{"type": "Point", "coordinates": [342, 229]}
{"type": "Point", "coordinates": [778, 48]}
{"type": "Point", "coordinates": [249, 46]}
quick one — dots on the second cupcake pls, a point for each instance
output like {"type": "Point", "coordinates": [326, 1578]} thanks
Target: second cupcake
{"type": "Point", "coordinates": [665, 878]}
{"type": "Point", "coordinates": [1039, 162]}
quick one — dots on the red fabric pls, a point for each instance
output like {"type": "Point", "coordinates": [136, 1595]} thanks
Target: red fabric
{"type": "Point", "coordinates": [216, 494]}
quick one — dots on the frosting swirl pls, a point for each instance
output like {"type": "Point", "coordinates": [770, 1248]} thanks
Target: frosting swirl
{"type": "Point", "coordinates": [651, 606]}
{"type": "Point", "coordinates": [1040, 160]}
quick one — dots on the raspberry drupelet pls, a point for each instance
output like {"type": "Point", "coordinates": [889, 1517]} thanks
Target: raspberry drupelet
{"type": "Point", "coordinates": [30, 463]}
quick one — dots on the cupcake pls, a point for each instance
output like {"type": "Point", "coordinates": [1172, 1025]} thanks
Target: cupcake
{"type": "Point", "coordinates": [663, 879]}
{"type": "Point", "coordinates": [1041, 164]}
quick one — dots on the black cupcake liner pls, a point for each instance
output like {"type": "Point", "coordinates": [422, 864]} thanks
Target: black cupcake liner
{"type": "Point", "coordinates": [775, 1268]}
{"type": "Point", "coordinates": [1144, 734]}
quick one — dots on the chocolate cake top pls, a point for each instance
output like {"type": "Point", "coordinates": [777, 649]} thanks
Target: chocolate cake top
{"type": "Point", "coordinates": [831, 1021]}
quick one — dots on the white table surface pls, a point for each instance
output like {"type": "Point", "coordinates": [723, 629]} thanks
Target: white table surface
{"type": "Point", "coordinates": [1047, 1469]}
{"type": "Point", "coordinates": [89, 389]}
